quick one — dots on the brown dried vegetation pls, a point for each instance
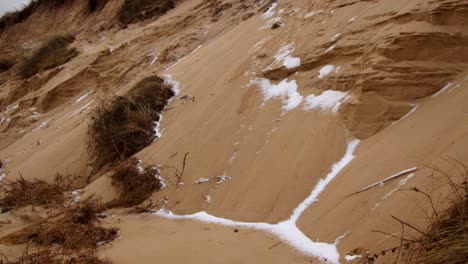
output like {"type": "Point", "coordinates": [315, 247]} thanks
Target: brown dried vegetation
{"type": "Point", "coordinates": [125, 125]}
{"type": "Point", "coordinates": [76, 228]}
{"type": "Point", "coordinates": [135, 184]}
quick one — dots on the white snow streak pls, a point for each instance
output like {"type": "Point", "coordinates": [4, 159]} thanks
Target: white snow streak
{"type": "Point", "coordinates": [286, 231]}
{"type": "Point", "coordinates": [83, 97]}
{"type": "Point", "coordinates": [387, 195]}
{"type": "Point", "coordinates": [179, 61]}
{"type": "Point", "coordinates": [443, 89]}
{"type": "Point", "coordinates": [352, 257]}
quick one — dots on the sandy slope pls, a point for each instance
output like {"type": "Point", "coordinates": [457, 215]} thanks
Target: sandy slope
{"type": "Point", "coordinates": [389, 59]}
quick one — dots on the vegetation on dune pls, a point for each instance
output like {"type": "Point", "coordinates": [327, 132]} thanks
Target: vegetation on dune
{"type": "Point", "coordinates": [50, 54]}
{"type": "Point", "coordinates": [135, 184]}
{"type": "Point", "coordinates": [137, 10]}
{"type": "Point", "coordinates": [22, 192]}
{"type": "Point", "coordinates": [5, 65]}
{"type": "Point", "coordinates": [95, 6]}
{"type": "Point", "coordinates": [22, 15]}
{"type": "Point", "coordinates": [55, 257]}
{"type": "Point", "coordinates": [19, 16]}
{"type": "Point", "coordinates": [77, 228]}
{"type": "Point", "coordinates": [446, 238]}
{"type": "Point", "coordinates": [126, 124]}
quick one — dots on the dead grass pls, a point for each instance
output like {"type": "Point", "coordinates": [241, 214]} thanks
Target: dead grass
{"type": "Point", "coordinates": [16, 17]}
{"type": "Point", "coordinates": [134, 183]}
{"type": "Point", "coordinates": [125, 125]}
{"type": "Point", "coordinates": [21, 192]}
{"type": "Point", "coordinates": [95, 6]}
{"type": "Point", "coordinates": [75, 229]}
{"type": "Point", "coordinates": [55, 257]}
{"type": "Point", "coordinates": [52, 53]}
{"type": "Point", "coordinates": [137, 10]}
{"type": "Point", "coordinates": [446, 238]}
{"type": "Point", "coordinates": [5, 65]}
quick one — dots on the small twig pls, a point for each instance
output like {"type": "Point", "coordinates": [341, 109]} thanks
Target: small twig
{"type": "Point", "coordinates": [395, 176]}
{"type": "Point", "coordinates": [179, 175]}
{"type": "Point", "coordinates": [409, 225]}
{"type": "Point", "coordinates": [430, 200]}
{"type": "Point", "coordinates": [399, 238]}
{"type": "Point", "coordinates": [275, 245]}
{"type": "Point", "coordinates": [401, 242]}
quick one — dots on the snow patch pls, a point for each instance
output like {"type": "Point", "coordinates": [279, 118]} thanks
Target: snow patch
{"type": "Point", "coordinates": [291, 62]}
{"type": "Point", "coordinates": [76, 196]}
{"type": "Point", "coordinates": [161, 181]}
{"type": "Point", "coordinates": [207, 199]}
{"type": "Point", "coordinates": [326, 70]}
{"type": "Point", "coordinates": [327, 101]}
{"type": "Point", "coordinates": [202, 180]}
{"type": "Point", "coordinates": [284, 57]}
{"type": "Point", "coordinates": [221, 179]}
{"type": "Point", "coordinates": [349, 258]}
{"type": "Point", "coordinates": [286, 90]}
{"type": "Point", "coordinates": [168, 79]}
{"type": "Point", "coordinates": [270, 11]}
{"type": "Point", "coordinates": [175, 87]}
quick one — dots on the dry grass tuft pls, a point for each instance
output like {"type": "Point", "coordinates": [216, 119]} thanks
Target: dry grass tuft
{"type": "Point", "coordinates": [56, 257]}
{"type": "Point", "coordinates": [95, 6]}
{"type": "Point", "coordinates": [446, 238]}
{"type": "Point", "coordinates": [21, 192]}
{"type": "Point", "coordinates": [73, 230]}
{"type": "Point", "coordinates": [135, 184]}
{"type": "Point", "coordinates": [16, 17]}
{"type": "Point", "coordinates": [5, 65]}
{"type": "Point", "coordinates": [136, 10]}
{"type": "Point", "coordinates": [125, 125]}
{"type": "Point", "coordinates": [51, 54]}
{"type": "Point", "coordinates": [446, 241]}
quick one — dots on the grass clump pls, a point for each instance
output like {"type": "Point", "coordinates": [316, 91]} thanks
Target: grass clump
{"type": "Point", "coordinates": [55, 257]}
{"type": "Point", "coordinates": [135, 184]}
{"type": "Point", "coordinates": [77, 228]}
{"type": "Point", "coordinates": [95, 6]}
{"type": "Point", "coordinates": [137, 10]}
{"type": "Point", "coordinates": [446, 240]}
{"type": "Point", "coordinates": [51, 54]}
{"type": "Point", "coordinates": [22, 15]}
{"type": "Point", "coordinates": [5, 65]}
{"type": "Point", "coordinates": [126, 124]}
{"type": "Point", "coordinates": [22, 192]}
